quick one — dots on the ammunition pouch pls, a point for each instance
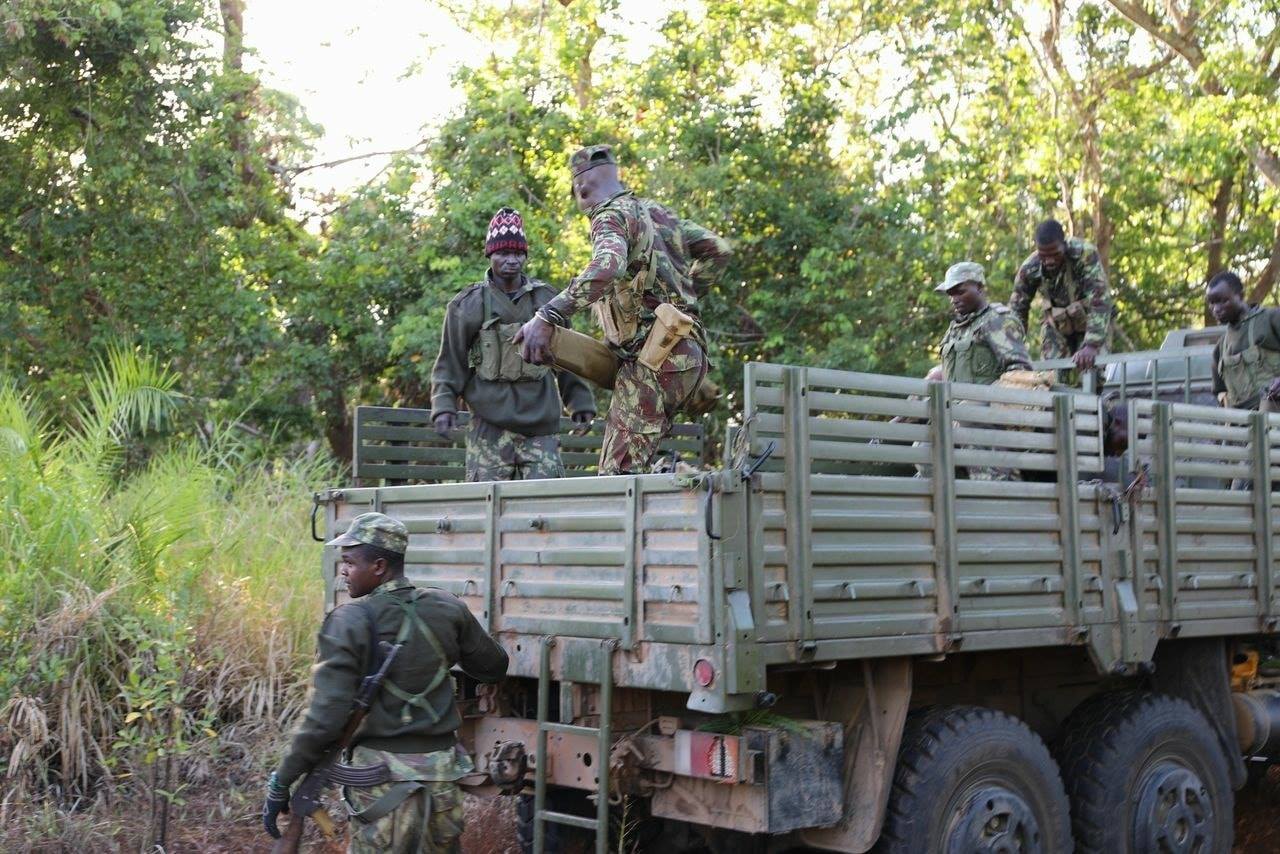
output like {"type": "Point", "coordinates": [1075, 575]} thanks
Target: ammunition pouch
{"type": "Point", "coordinates": [618, 313]}
{"type": "Point", "coordinates": [1070, 319]}
{"type": "Point", "coordinates": [495, 359]}
{"type": "Point", "coordinates": [670, 327]}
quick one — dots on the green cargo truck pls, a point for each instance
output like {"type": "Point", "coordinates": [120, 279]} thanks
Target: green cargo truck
{"type": "Point", "coordinates": [836, 640]}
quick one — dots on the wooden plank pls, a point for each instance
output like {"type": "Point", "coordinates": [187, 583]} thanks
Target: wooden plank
{"type": "Point", "coordinates": [798, 454]}
{"type": "Point", "coordinates": [1264, 516]}
{"type": "Point", "coordinates": [412, 472]}
{"type": "Point", "coordinates": [1068, 507]}
{"type": "Point", "coordinates": [1166, 506]}
{"type": "Point", "coordinates": [407, 453]}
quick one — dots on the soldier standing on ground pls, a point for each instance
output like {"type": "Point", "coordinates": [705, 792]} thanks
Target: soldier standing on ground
{"type": "Point", "coordinates": [515, 406]}
{"type": "Point", "coordinates": [411, 726]}
{"type": "Point", "coordinates": [643, 257]}
{"type": "Point", "coordinates": [983, 341]}
{"type": "Point", "coordinates": [1077, 323]}
{"type": "Point", "coordinates": [1246, 360]}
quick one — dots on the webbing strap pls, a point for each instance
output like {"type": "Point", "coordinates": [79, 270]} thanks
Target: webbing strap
{"type": "Point", "coordinates": [385, 803]}
{"type": "Point", "coordinates": [409, 621]}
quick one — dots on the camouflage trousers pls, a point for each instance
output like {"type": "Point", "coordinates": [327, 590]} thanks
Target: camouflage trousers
{"type": "Point", "coordinates": [428, 821]}
{"type": "Point", "coordinates": [497, 454]}
{"type": "Point", "coordinates": [643, 404]}
{"type": "Point", "coordinates": [1055, 345]}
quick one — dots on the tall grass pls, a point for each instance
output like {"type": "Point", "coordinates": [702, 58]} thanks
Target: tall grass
{"type": "Point", "coordinates": [158, 595]}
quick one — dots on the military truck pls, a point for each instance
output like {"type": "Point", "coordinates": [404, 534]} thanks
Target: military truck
{"type": "Point", "coordinates": [835, 639]}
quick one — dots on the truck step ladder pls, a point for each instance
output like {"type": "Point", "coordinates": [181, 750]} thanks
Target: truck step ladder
{"type": "Point", "coordinates": [603, 733]}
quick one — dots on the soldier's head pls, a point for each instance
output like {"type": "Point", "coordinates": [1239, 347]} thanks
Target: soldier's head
{"type": "Point", "coordinates": [373, 550]}
{"type": "Point", "coordinates": [966, 287]}
{"type": "Point", "coordinates": [1051, 245]}
{"type": "Point", "coordinates": [1115, 427]}
{"type": "Point", "coordinates": [1225, 296]}
{"type": "Point", "coordinates": [595, 175]}
{"type": "Point", "coordinates": [505, 244]}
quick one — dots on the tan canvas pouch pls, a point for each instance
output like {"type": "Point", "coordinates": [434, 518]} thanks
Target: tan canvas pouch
{"type": "Point", "coordinates": [511, 367]}
{"type": "Point", "coordinates": [670, 326]}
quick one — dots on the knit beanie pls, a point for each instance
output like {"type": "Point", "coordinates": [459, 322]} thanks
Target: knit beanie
{"type": "Point", "coordinates": [506, 233]}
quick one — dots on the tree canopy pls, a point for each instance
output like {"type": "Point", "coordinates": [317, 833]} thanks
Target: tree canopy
{"type": "Point", "coordinates": [849, 150]}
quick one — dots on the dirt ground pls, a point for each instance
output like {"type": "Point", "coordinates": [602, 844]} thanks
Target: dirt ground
{"type": "Point", "coordinates": [221, 826]}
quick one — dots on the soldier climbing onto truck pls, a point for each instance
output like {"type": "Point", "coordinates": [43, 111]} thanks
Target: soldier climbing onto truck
{"type": "Point", "coordinates": [647, 272]}
{"type": "Point", "coordinates": [1078, 322]}
{"type": "Point", "coordinates": [1246, 361]}
{"type": "Point", "coordinates": [515, 406]}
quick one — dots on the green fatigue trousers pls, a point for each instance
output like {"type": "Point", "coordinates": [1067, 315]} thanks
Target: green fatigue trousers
{"type": "Point", "coordinates": [497, 454]}
{"type": "Point", "coordinates": [643, 404]}
{"type": "Point", "coordinates": [427, 821]}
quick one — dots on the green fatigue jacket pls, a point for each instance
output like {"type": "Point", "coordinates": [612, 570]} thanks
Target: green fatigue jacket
{"type": "Point", "coordinates": [1247, 358]}
{"type": "Point", "coordinates": [687, 259]}
{"type": "Point", "coordinates": [415, 710]}
{"type": "Point", "coordinates": [979, 347]}
{"type": "Point", "coordinates": [530, 406]}
{"type": "Point", "coordinates": [1080, 279]}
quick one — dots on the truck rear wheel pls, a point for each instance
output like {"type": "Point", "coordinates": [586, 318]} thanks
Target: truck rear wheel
{"type": "Point", "coordinates": [1144, 773]}
{"type": "Point", "coordinates": [970, 780]}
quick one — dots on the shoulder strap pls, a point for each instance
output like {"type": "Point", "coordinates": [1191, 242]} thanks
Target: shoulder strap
{"type": "Point", "coordinates": [410, 620]}
{"type": "Point", "coordinates": [490, 317]}
{"type": "Point", "coordinates": [373, 655]}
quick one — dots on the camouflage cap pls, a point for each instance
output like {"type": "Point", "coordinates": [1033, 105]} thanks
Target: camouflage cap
{"type": "Point", "coordinates": [958, 274]}
{"type": "Point", "coordinates": [589, 158]}
{"type": "Point", "coordinates": [374, 529]}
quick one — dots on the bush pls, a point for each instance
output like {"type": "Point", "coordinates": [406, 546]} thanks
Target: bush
{"type": "Point", "coordinates": [158, 593]}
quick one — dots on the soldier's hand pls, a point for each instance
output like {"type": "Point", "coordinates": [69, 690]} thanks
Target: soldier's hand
{"type": "Point", "coordinates": [277, 802]}
{"type": "Point", "coordinates": [583, 422]}
{"type": "Point", "coordinates": [444, 423]}
{"type": "Point", "coordinates": [534, 339]}
{"type": "Point", "coordinates": [1085, 357]}
{"type": "Point", "coordinates": [1273, 390]}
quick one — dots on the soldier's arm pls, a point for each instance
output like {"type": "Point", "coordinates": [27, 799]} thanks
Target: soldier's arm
{"type": "Point", "coordinates": [608, 262]}
{"type": "Point", "coordinates": [575, 394]}
{"type": "Point", "coordinates": [451, 371]}
{"type": "Point", "coordinates": [1096, 295]}
{"type": "Point", "coordinates": [335, 679]}
{"type": "Point", "coordinates": [1219, 386]}
{"type": "Point", "coordinates": [479, 655]}
{"type": "Point", "coordinates": [1024, 291]}
{"type": "Point", "coordinates": [1005, 336]}
{"type": "Point", "coordinates": [710, 253]}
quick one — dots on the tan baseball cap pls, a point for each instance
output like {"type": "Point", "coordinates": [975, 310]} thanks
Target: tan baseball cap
{"type": "Point", "coordinates": [958, 274]}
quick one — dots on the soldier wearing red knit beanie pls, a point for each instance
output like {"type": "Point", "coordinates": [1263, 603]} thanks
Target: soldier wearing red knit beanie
{"type": "Point", "coordinates": [515, 406]}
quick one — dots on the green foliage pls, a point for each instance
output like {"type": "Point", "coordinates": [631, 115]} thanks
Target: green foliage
{"type": "Point", "coordinates": [147, 605]}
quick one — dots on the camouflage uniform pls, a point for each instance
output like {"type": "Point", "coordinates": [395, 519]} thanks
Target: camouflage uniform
{"type": "Point", "coordinates": [980, 347]}
{"type": "Point", "coordinates": [1080, 287]}
{"type": "Point", "coordinates": [681, 261]}
{"type": "Point", "coordinates": [412, 723]}
{"type": "Point", "coordinates": [497, 454]}
{"type": "Point", "coordinates": [515, 418]}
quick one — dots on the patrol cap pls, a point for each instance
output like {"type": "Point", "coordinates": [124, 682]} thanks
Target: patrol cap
{"type": "Point", "coordinates": [374, 529]}
{"type": "Point", "coordinates": [958, 274]}
{"type": "Point", "coordinates": [589, 158]}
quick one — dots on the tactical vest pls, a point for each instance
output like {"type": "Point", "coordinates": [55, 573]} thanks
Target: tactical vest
{"type": "Point", "coordinates": [492, 356]}
{"type": "Point", "coordinates": [966, 356]}
{"type": "Point", "coordinates": [1248, 373]}
{"type": "Point", "coordinates": [618, 313]}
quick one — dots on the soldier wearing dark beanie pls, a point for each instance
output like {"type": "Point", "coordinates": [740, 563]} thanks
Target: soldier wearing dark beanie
{"type": "Point", "coordinates": [515, 406]}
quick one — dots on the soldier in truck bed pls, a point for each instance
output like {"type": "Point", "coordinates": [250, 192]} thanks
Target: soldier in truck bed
{"type": "Point", "coordinates": [1069, 272]}
{"type": "Point", "coordinates": [1246, 360]}
{"type": "Point", "coordinates": [515, 406]}
{"type": "Point", "coordinates": [645, 262]}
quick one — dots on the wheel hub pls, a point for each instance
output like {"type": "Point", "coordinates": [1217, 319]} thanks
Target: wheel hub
{"type": "Point", "coordinates": [995, 820]}
{"type": "Point", "coordinates": [1174, 812]}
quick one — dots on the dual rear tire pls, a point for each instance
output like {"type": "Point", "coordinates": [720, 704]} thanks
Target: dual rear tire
{"type": "Point", "coordinates": [1132, 773]}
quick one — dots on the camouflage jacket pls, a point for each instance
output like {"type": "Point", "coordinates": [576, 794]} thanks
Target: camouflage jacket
{"type": "Point", "coordinates": [1081, 278]}
{"type": "Point", "coordinates": [343, 658]}
{"type": "Point", "coordinates": [979, 347]}
{"type": "Point", "coordinates": [531, 408]}
{"type": "Point", "coordinates": [689, 258]}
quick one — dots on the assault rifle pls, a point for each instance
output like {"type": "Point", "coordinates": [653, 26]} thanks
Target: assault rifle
{"type": "Point", "coordinates": [305, 802]}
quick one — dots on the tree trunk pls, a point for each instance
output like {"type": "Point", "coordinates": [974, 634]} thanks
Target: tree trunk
{"type": "Point", "coordinates": [1267, 278]}
{"type": "Point", "coordinates": [233, 69]}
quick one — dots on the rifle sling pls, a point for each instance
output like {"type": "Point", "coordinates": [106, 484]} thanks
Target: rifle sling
{"type": "Point", "coordinates": [387, 802]}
